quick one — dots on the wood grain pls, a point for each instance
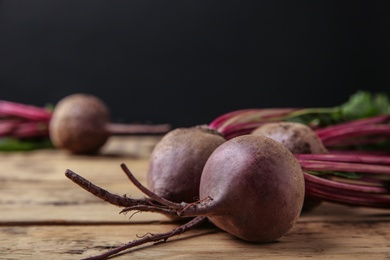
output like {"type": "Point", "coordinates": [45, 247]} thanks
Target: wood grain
{"type": "Point", "coordinates": [43, 215]}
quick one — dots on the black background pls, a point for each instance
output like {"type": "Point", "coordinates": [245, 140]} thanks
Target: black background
{"type": "Point", "coordinates": [186, 62]}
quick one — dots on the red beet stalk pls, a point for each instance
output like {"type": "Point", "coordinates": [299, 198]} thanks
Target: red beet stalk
{"type": "Point", "coordinates": [358, 122]}
{"type": "Point", "coordinates": [23, 121]}
{"type": "Point", "coordinates": [344, 167]}
{"type": "Point", "coordinates": [355, 132]}
{"type": "Point", "coordinates": [31, 113]}
{"type": "Point", "coordinates": [370, 190]}
{"type": "Point", "coordinates": [341, 197]}
{"type": "Point", "coordinates": [363, 131]}
{"type": "Point", "coordinates": [351, 158]}
{"type": "Point", "coordinates": [244, 121]}
{"type": "Point", "coordinates": [23, 129]}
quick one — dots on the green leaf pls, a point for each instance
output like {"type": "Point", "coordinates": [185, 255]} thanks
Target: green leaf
{"type": "Point", "coordinates": [13, 144]}
{"type": "Point", "coordinates": [365, 104]}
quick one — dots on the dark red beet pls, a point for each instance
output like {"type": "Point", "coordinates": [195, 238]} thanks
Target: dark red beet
{"type": "Point", "coordinates": [177, 162]}
{"type": "Point", "coordinates": [296, 137]}
{"type": "Point", "coordinates": [256, 186]}
{"type": "Point", "coordinates": [79, 124]}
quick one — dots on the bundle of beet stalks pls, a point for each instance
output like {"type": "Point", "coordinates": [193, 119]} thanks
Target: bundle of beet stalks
{"type": "Point", "coordinates": [356, 168]}
{"type": "Point", "coordinates": [23, 127]}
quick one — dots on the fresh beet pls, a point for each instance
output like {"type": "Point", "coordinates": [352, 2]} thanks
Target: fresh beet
{"type": "Point", "coordinates": [81, 124]}
{"type": "Point", "coordinates": [256, 188]}
{"type": "Point", "coordinates": [177, 162]}
{"type": "Point", "coordinates": [298, 138]}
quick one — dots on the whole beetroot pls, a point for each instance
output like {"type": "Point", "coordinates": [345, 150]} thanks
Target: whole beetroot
{"type": "Point", "coordinates": [177, 162]}
{"type": "Point", "coordinates": [256, 186]}
{"type": "Point", "coordinates": [79, 123]}
{"type": "Point", "coordinates": [296, 137]}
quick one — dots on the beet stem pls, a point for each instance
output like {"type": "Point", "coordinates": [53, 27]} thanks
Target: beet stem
{"type": "Point", "coordinates": [358, 122]}
{"type": "Point", "coordinates": [313, 165]}
{"type": "Point", "coordinates": [340, 198]}
{"type": "Point", "coordinates": [225, 122]}
{"type": "Point", "coordinates": [6, 127]}
{"type": "Point", "coordinates": [152, 238]}
{"type": "Point", "coordinates": [30, 129]}
{"type": "Point", "coordinates": [359, 152]}
{"type": "Point", "coordinates": [149, 193]}
{"type": "Point", "coordinates": [353, 132]}
{"type": "Point", "coordinates": [240, 129]}
{"type": "Point", "coordinates": [13, 109]}
{"type": "Point", "coordinates": [185, 209]}
{"type": "Point", "coordinates": [101, 193]}
{"type": "Point", "coordinates": [358, 158]}
{"type": "Point", "coordinates": [363, 140]}
{"type": "Point", "coordinates": [219, 121]}
{"type": "Point", "coordinates": [340, 186]}
{"type": "Point", "coordinates": [128, 129]}
{"type": "Point", "coordinates": [150, 208]}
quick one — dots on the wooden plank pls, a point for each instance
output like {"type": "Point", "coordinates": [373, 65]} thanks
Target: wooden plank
{"type": "Point", "coordinates": [322, 240]}
{"type": "Point", "coordinates": [33, 185]}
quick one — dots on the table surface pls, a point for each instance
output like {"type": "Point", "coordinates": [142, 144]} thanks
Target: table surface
{"type": "Point", "coordinates": [46, 216]}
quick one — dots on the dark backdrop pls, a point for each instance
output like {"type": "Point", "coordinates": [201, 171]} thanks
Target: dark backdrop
{"type": "Point", "coordinates": [186, 62]}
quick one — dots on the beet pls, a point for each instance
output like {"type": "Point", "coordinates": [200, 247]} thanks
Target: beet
{"type": "Point", "coordinates": [256, 188]}
{"type": "Point", "coordinates": [177, 162]}
{"type": "Point", "coordinates": [298, 138]}
{"type": "Point", "coordinates": [81, 124]}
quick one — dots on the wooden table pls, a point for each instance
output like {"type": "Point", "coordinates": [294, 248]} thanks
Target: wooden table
{"type": "Point", "coordinates": [46, 216]}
